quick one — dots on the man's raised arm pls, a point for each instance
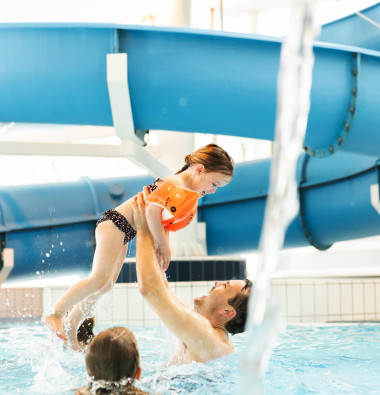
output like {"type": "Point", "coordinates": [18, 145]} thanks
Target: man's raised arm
{"type": "Point", "coordinates": [150, 276]}
{"type": "Point", "coordinates": [192, 328]}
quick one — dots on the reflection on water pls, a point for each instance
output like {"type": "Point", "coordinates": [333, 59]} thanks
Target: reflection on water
{"type": "Point", "coordinates": [306, 360]}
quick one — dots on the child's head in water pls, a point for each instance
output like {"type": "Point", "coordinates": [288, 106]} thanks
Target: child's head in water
{"type": "Point", "coordinates": [208, 168]}
{"type": "Point", "coordinates": [113, 355]}
{"type": "Point", "coordinates": [113, 363]}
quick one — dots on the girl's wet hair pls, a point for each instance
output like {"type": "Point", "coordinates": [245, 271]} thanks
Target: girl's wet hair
{"type": "Point", "coordinates": [113, 355]}
{"type": "Point", "coordinates": [214, 159]}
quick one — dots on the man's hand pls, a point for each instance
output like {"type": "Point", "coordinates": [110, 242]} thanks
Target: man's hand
{"type": "Point", "coordinates": [138, 210]}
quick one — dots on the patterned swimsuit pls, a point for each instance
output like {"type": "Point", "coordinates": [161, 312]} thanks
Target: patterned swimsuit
{"type": "Point", "coordinates": [119, 220]}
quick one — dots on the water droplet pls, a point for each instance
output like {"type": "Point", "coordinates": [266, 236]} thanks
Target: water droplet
{"type": "Point", "coordinates": [183, 102]}
{"type": "Point", "coordinates": [47, 255]}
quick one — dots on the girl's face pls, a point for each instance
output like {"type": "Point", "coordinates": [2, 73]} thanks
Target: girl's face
{"type": "Point", "coordinates": [205, 183]}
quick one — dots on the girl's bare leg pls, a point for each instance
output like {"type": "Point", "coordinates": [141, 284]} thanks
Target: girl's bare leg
{"type": "Point", "coordinates": [82, 309]}
{"type": "Point", "coordinates": [109, 246]}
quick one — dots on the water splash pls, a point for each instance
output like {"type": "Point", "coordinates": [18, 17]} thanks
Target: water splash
{"type": "Point", "coordinates": [129, 248]}
{"type": "Point", "coordinates": [294, 85]}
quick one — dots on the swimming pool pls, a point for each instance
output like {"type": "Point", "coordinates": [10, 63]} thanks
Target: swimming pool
{"type": "Point", "coordinates": [329, 359]}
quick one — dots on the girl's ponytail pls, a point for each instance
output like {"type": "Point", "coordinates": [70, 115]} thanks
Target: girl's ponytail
{"type": "Point", "coordinates": [214, 159]}
{"type": "Point", "coordinates": [188, 163]}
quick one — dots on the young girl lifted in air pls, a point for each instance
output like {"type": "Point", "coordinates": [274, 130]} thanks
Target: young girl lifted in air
{"type": "Point", "coordinates": [172, 205]}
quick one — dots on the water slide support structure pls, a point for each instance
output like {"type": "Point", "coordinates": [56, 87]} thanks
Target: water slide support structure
{"type": "Point", "coordinates": [375, 197]}
{"type": "Point", "coordinates": [131, 140]}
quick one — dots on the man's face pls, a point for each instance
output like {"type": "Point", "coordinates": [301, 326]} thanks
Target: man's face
{"type": "Point", "coordinates": [219, 295]}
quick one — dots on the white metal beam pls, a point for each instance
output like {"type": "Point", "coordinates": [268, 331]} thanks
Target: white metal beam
{"type": "Point", "coordinates": [131, 145]}
{"type": "Point", "coordinates": [375, 197]}
{"type": "Point", "coordinates": [117, 81]}
{"type": "Point", "coordinates": [127, 149]}
{"type": "Point", "coordinates": [144, 159]}
{"type": "Point", "coordinates": [54, 133]}
{"type": "Point", "coordinates": [62, 149]}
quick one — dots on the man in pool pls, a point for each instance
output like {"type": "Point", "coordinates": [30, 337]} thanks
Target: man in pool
{"type": "Point", "coordinates": [203, 331]}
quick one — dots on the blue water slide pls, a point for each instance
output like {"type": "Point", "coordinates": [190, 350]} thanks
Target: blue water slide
{"type": "Point", "coordinates": [191, 81]}
{"type": "Point", "coordinates": [356, 30]}
{"type": "Point", "coordinates": [185, 80]}
{"type": "Point", "coordinates": [51, 227]}
{"type": "Point", "coordinates": [335, 204]}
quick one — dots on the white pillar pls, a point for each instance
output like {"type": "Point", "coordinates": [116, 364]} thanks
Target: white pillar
{"type": "Point", "coordinates": [175, 13]}
{"type": "Point", "coordinates": [253, 15]}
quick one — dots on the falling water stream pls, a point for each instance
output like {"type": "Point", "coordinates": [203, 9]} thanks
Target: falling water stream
{"type": "Point", "coordinates": [293, 103]}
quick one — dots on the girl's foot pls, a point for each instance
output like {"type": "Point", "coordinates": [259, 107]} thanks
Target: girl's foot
{"type": "Point", "coordinates": [55, 324]}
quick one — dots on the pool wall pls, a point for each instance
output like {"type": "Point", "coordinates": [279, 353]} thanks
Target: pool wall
{"type": "Point", "coordinates": [302, 300]}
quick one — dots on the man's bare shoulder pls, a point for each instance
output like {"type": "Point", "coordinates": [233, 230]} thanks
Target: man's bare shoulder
{"type": "Point", "coordinates": [212, 344]}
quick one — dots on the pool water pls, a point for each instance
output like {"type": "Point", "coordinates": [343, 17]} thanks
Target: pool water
{"type": "Point", "coordinates": [330, 359]}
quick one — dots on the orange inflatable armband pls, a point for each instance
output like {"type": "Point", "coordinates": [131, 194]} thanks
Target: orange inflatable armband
{"type": "Point", "coordinates": [173, 227]}
{"type": "Point", "coordinates": [179, 204]}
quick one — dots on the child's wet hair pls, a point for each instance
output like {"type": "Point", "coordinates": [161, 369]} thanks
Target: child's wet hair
{"type": "Point", "coordinates": [214, 159]}
{"type": "Point", "coordinates": [113, 355]}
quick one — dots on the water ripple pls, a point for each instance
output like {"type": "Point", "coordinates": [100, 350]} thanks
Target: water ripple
{"type": "Point", "coordinates": [331, 359]}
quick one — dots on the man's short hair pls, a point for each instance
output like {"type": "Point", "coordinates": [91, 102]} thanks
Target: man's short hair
{"type": "Point", "coordinates": [240, 304]}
